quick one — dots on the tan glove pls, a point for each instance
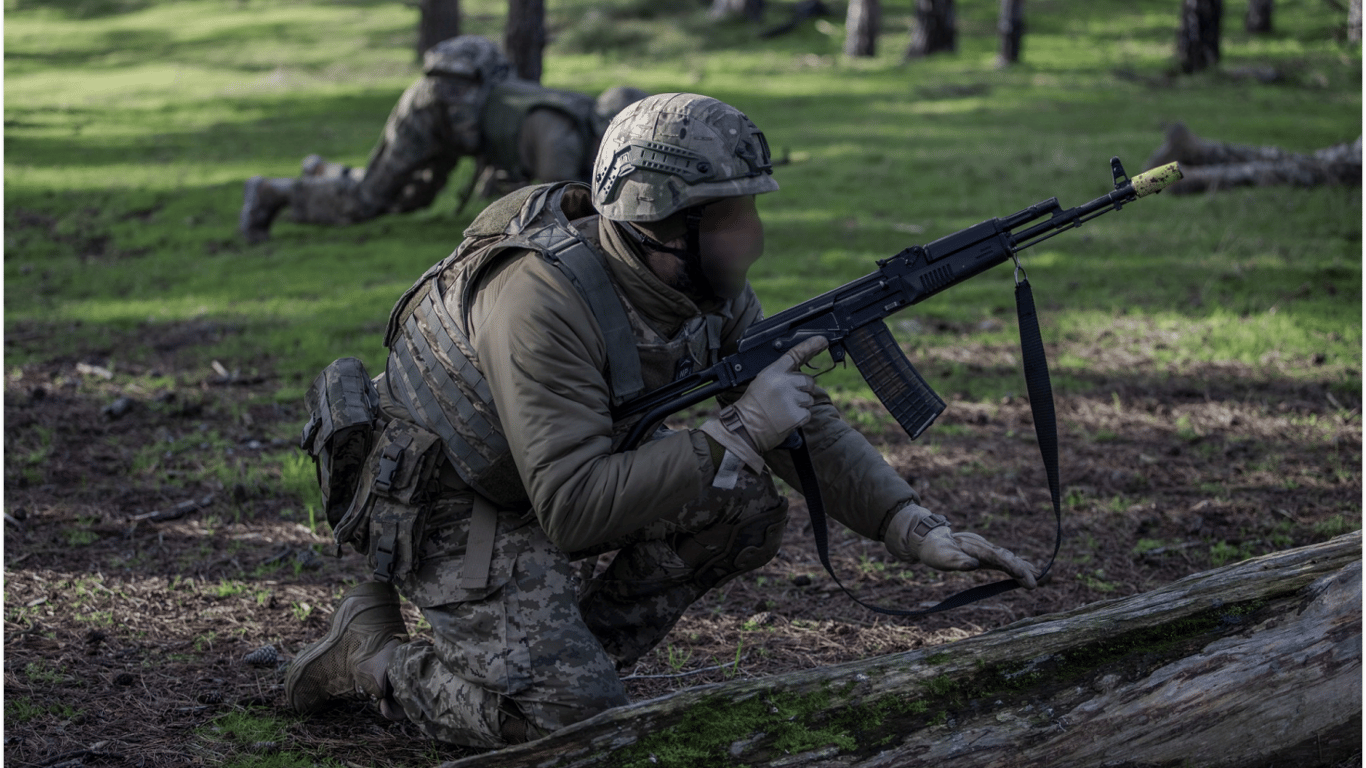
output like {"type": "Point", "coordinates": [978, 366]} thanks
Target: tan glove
{"type": "Point", "coordinates": [917, 535]}
{"type": "Point", "coordinates": [778, 401]}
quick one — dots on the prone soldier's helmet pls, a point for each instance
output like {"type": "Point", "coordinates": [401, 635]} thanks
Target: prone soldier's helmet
{"type": "Point", "coordinates": [669, 152]}
{"type": "Point", "coordinates": [470, 56]}
{"type": "Point", "coordinates": [613, 100]}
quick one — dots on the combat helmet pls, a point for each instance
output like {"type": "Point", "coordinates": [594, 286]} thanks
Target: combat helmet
{"type": "Point", "coordinates": [469, 56]}
{"type": "Point", "coordinates": [672, 151]}
{"type": "Point", "coordinates": [613, 100]}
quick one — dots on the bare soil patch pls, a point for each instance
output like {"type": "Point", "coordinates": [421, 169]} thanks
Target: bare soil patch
{"type": "Point", "coordinates": [151, 549]}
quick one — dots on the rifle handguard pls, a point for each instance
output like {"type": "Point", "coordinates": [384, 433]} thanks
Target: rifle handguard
{"type": "Point", "coordinates": [893, 379]}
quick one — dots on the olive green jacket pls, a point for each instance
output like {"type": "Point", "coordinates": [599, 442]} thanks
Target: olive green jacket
{"type": "Point", "coordinates": [539, 347]}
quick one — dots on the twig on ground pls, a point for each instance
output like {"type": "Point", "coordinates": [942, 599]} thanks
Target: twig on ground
{"type": "Point", "coordinates": [688, 673]}
{"type": "Point", "coordinates": [175, 513]}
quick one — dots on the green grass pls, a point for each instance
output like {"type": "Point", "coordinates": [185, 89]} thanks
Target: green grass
{"type": "Point", "coordinates": [130, 126]}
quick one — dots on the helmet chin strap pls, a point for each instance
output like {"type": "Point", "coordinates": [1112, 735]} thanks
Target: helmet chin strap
{"type": "Point", "coordinates": [690, 255]}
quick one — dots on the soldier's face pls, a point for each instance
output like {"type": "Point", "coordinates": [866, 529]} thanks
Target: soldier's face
{"type": "Point", "coordinates": [731, 239]}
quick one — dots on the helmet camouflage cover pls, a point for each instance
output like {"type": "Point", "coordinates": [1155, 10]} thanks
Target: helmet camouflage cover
{"type": "Point", "coordinates": [469, 56]}
{"type": "Point", "coordinates": [672, 151]}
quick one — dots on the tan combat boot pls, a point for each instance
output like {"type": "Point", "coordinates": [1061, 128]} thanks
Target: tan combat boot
{"type": "Point", "coordinates": [349, 662]}
{"type": "Point", "coordinates": [262, 199]}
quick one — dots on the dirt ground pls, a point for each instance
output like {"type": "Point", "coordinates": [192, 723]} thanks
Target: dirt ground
{"type": "Point", "coordinates": [142, 584]}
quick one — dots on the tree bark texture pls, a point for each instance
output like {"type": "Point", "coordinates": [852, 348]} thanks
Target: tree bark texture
{"type": "Point", "coordinates": [862, 25]}
{"type": "Point", "coordinates": [1197, 39]}
{"type": "Point", "coordinates": [1258, 19]}
{"type": "Point", "coordinates": [440, 20]}
{"type": "Point", "coordinates": [1253, 664]}
{"type": "Point", "coordinates": [524, 39]}
{"type": "Point", "coordinates": [1011, 28]}
{"type": "Point", "coordinates": [936, 29]}
{"type": "Point", "coordinates": [1354, 21]}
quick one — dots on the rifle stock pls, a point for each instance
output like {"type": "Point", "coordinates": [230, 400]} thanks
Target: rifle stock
{"type": "Point", "coordinates": [851, 316]}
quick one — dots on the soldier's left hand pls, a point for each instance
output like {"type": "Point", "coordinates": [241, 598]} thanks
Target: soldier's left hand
{"type": "Point", "coordinates": [917, 535]}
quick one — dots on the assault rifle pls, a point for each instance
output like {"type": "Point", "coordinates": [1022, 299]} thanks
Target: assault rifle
{"type": "Point", "coordinates": [851, 316]}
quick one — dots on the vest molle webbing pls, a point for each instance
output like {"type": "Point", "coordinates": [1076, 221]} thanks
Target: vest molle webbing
{"type": "Point", "coordinates": [430, 372]}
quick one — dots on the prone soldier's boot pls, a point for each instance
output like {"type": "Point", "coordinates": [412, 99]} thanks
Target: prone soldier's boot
{"type": "Point", "coordinates": [262, 199]}
{"type": "Point", "coordinates": [350, 661]}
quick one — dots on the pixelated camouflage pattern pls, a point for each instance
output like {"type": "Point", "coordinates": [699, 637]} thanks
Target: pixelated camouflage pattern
{"type": "Point", "coordinates": [515, 646]}
{"type": "Point", "coordinates": [433, 125]}
{"type": "Point", "coordinates": [613, 100]}
{"type": "Point", "coordinates": [526, 646]}
{"type": "Point", "coordinates": [468, 56]}
{"type": "Point", "coordinates": [671, 151]}
{"type": "Point", "coordinates": [664, 568]}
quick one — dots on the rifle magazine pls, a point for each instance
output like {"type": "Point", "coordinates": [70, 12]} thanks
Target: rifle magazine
{"type": "Point", "coordinates": [893, 379]}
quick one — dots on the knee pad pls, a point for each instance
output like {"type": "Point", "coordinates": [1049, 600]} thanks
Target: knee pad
{"type": "Point", "coordinates": [730, 548]}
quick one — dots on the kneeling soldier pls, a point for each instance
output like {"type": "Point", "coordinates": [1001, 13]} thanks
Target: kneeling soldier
{"type": "Point", "coordinates": [497, 464]}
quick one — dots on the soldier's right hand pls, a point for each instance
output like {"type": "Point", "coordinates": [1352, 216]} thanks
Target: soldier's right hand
{"type": "Point", "coordinates": [778, 401]}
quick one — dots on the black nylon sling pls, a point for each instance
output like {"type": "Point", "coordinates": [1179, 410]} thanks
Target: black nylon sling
{"type": "Point", "coordinates": [1040, 389]}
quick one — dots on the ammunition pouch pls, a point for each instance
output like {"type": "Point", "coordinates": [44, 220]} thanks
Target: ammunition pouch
{"type": "Point", "coordinates": [399, 483]}
{"type": "Point", "coordinates": [343, 405]}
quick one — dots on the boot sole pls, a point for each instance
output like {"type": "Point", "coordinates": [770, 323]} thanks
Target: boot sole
{"type": "Point", "coordinates": [309, 701]}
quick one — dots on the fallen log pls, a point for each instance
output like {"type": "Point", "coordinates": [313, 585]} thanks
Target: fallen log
{"type": "Point", "coordinates": [1253, 664]}
{"type": "Point", "coordinates": [1213, 165]}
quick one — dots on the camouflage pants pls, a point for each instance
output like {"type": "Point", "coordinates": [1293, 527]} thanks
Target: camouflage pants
{"type": "Point", "coordinates": [533, 652]}
{"type": "Point", "coordinates": [434, 124]}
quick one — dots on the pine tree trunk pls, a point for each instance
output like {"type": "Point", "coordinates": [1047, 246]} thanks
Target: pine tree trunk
{"type": "Point", "coordinates": [1354, 21]}
{"type": "Point", "coordinates": [862, 25]}
{"type": "Point", "coordinates": [524, 40]}
{"type": "Point", "coordinates": [1197, 40]}
{"type": "Point", "coordinates": [935, 29]}
{"type": "Point", "coordinates": [1258, 19]}
{"type": "Point", "coordinates": [1253, 664]}
{"type": "Point", "coordinates": [440, 20]}
{"type": "Point", "coordinates": [1011, 28]}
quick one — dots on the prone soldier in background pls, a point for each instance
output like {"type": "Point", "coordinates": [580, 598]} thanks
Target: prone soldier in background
{"type": "Point", "coordinates": [497, 462]}
{"type": "Point", "coordinates": [465, 105]}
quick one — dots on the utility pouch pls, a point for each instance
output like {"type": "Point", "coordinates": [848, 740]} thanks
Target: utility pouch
{"type": "Point", "coordinates": [400, 485]}
{"type": "Point", "coordinates": [342, 407]}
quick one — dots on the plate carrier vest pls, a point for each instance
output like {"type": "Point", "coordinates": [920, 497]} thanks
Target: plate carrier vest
{"type": "Point", "coordinates": [430, 372]}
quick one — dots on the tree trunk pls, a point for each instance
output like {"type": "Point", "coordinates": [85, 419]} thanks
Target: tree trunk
{"type": "Point", "coordinates": [751, 10]}
{"type": "Point", "coordinates": [440, 20]}
{"type": "Point", "coordinates": [1247, 665]}
{"type": "Point", "coordinates": [1354, 21]}
{"type": "Point", "coordinates": [1011, 28]}
{"type": "Point", "coordinates": [862, 25]}
{"type": "Point", "coordinates": [935, 29]}
{"type": "Point", "coordinates": [1197, 40]}
{"type": "Point", "coordinates": [524, 41]}
{"type": "Point", "coordinates": [1258, 19]}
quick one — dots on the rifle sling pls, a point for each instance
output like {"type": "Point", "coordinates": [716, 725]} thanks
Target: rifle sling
{"type": "Point", "coordinates": [1045, 428]}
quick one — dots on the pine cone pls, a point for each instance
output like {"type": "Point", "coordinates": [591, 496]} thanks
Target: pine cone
{"type": "Point", "coordinates": [265, 656]}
